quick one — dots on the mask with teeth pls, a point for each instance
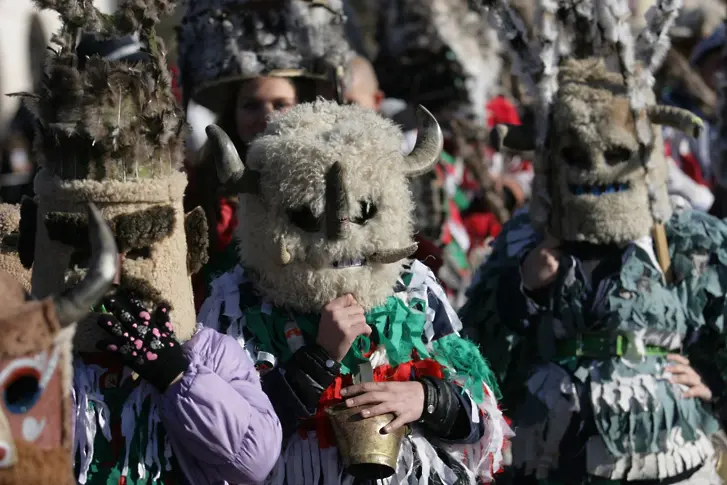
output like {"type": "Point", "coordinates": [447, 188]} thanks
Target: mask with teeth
{"type": "Point", "coordinates": [600, 171]}
{"type": "Point", "coordinates": [325, 207]}
{"type": "Point", "coordinates": [596, 182]}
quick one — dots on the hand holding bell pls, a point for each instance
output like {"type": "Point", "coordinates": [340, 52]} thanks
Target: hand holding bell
{"type": "Point", "coordinates": [405, 400]}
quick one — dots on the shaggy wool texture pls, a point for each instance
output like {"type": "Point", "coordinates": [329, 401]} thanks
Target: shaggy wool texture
{"type": "Point", "coordinates": [221, 41]}
{"type": "Point", "coordinates": [196, 227]}
{"type": "Point", "coordinates": [165, 270]}
{"type": "Point", "coordinates": [9, 237]}
{"type": "Point", "coordinates": [593, 143]}
{"type": "Point", "coordinates": [289, 215]}
{"type": "Point", "coordinates": [111, 120]}
{"type": "Point", "coordinates": [36, 466]}
{"type": "Point", "coordinates": [136, 230]}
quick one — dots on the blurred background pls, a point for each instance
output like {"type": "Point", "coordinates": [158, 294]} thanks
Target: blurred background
{"type": "Point", "coordinates": [25, 33]}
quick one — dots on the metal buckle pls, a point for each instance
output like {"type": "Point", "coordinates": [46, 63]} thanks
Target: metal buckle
{"type": "Point", "coordinates": [635, 346]}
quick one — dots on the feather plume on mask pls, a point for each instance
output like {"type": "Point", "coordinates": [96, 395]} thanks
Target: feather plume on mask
{"type": "Point", "coordinates": [100, 118]}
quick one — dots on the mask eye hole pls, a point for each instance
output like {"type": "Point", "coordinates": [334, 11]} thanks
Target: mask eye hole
{"type": "Point", "coordinates": [22, 390]}
{"type": "Point", "coordinates": [80, 258]}
{"type": "Point", "coordinates": [575, 156]}
{"type": "Point", "coordinates": [138, 253]}
{"type": "Point", "coordinates": [617, 155]}
{"type": "Point", "coordinates": [368, 212]}
{"type": "Point", "coordinates": [304, 218]}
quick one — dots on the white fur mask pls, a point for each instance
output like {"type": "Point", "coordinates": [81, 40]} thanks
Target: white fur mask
{"type": "Point", "coordinates": [328, 210]}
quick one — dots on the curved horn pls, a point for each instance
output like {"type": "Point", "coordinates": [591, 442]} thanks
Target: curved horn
{"type": "Point", "coordinates": [393, 255]}
{"type": "Point", "coordinates": [518, 138]}
{"type": "Point", "coordinates": [76, 303]}
{"type": "Point", "coordinates": [430, 142]}
{"type": "Point", "coordinates": [336, 202]}
{"type": "Point", "coordinates": [230, 169]}
{"type": "Point", "coordinates": [678, 118]}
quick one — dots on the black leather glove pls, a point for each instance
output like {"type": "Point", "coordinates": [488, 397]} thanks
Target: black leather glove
{"type": "Point", "coordinates": [310, 372]}
{"type": "Point", "coordinates": [442, 409]}
{"type": "Point", "coordinates": [145, 341]}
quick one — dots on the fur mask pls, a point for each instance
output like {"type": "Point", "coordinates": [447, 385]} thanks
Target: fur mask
{"type": "Point", "coordinates": [600, 171]}
{"type": "Point", "coordinates": [110, 131]}
{"type": "Point", "coordinates": [325, 208]}
{"type": "Point", "coordinates": [603, 188]}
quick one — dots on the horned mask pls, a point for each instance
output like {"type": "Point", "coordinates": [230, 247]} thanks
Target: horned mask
{"type": "Point", "coordinates": [110, 132]}
{"type": "Point", "coordinates": [600, 173]}
{"type": "Point", "coordinates": [36, 372]}
{"type": "Point", "coordinates": [325, 208]}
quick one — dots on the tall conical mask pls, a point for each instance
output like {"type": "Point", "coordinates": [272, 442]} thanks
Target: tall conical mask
{"type": "Point", "coordinates": [110, 132]}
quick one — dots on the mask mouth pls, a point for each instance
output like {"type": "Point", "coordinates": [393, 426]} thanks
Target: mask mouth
{"type": "Point", "coordinates": [601, 189]}
{"type": "Point", "coordinates": [349, 263]}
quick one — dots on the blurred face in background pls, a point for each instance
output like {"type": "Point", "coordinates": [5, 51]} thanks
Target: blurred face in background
{"type": "Point", "coordinates": [257, 99]}
{"type": "Point", "coordinates": [364, 86]}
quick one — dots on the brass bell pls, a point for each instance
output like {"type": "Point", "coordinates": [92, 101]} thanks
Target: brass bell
{"type": "Point", "coordinates": [367, 453]}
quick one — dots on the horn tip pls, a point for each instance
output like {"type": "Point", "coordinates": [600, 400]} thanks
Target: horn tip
{"type": "Point", "coordinates": [212, 130]}
{"type": "Point", "coordinates": [497, 136]}
{"type": "Point", "coordinates": [109, 261]}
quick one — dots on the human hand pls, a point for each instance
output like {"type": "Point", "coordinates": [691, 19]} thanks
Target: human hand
{"type": "Point", "coordinates": [145, 341]}
{"type": "Point", "coordinates": [342, 320]}
{"type": "Point", "coordinates": [683, 373]}
{"type": "Point", "coordinates": [404, 399]}
{"type": "Point", "coordinates": [540, 267]}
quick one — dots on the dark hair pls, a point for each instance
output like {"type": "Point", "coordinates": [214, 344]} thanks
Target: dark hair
{"type": "Point", "coordinates": [306, 91]}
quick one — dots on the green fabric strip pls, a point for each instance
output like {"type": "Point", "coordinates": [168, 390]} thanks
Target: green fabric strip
{"type": "Point", "coordinates": [398, 326]}
{"type": "Point", "coordinates": [601, 347]}
{"type": "Point", "coordinates": [456, 254]}
{"type": "Point", "coordinates": [461, 199]}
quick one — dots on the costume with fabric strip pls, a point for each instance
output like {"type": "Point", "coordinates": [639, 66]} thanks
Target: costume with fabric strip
{"type": "Point", "coordinates": [325, 212]}
{"type": "Point", "coordinates": [109, 131]}
{"type": "Point", "coordinates": [582, 356]}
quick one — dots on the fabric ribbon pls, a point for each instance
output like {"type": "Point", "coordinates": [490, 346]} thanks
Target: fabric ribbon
{"type": "Point", "coordinates": [395, 326]}
{"type": "Point", "coordinates": [398, 326]}
{"type": "Point", "coordinates": [384, 373]}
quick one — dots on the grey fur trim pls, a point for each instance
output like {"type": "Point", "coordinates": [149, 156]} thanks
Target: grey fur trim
{"type": "Point", "coordinates": [222, 41]}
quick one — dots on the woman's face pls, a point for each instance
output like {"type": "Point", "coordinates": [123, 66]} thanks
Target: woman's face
{"type": "Point", "coordinates": [256, 99]}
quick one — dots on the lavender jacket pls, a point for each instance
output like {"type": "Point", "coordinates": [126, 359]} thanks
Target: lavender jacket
{"type": "Point", "coordinates": [221, 424]}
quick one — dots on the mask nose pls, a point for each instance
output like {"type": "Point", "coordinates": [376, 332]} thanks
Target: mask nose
{"type": "Point", "coordinates": [337, 219]}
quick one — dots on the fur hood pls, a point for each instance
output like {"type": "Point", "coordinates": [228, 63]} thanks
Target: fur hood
{"type": "Point", "coordinates": [222, 41]}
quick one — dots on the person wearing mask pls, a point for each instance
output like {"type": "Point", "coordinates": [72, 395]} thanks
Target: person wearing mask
{"type": "Point", "coordinates": [155, 400]}
{"type": "Point", "coordinates": [231, 74]}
